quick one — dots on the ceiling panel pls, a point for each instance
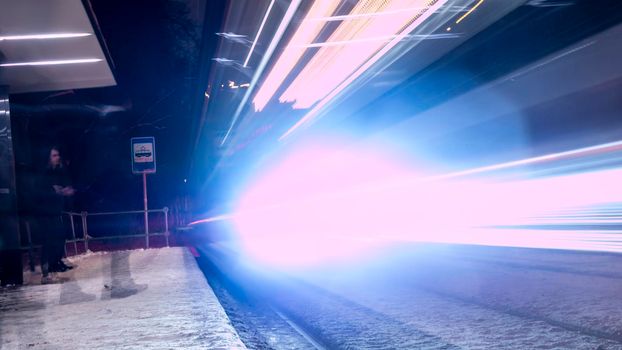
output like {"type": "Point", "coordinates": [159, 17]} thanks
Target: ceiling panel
{"type": "Point", "coordinates": [35, 17]}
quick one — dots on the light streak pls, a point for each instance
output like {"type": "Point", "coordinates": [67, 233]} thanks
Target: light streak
{"type": "Point", "coordinates": [382, 38]}
{"type": "Point", "coordinates": [331, 65]}
{"type": "Point", "coordinates": [212, 219]}
{"type": "Point", "coordinates": [358, 72]}
{"type": "Point", "coordinates": [366, 15]}
{"type": "Point", "coordinates": [263, 22]}
{"type": "Point", "coordinates": [47, 36]}
{"type": "Point", "coordinates": [606, 147]}
{"type": "Point", "coordinates": [289, 14]}
{"type": "Point", "coordinates": [51, 62]}
{"type": "Point", "coordinates": [347, 42]}
{"type": "Point", "coordinates": [317, 206]}
{"type": "Point", "coordinates": [550, 60]}
{"type": "Point", "coordinates": [576, 153]}
{"type": "Point", "coordinates": [304, 35]}
{"type": "Point", "coordinates": [469, 12]}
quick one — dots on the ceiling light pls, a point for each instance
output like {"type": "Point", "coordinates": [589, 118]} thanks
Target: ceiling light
{"type": "Point", "coordinates": [43, 36]}
{"type": "Point", "coordinates": [51, 63]}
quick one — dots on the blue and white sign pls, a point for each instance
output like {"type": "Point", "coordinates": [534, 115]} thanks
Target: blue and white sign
{"type": "Point", "coordinates": [143, 155]}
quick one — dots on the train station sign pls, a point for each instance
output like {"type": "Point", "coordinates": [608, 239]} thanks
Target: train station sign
{"type": "Point", "coordinates": [143, 155]}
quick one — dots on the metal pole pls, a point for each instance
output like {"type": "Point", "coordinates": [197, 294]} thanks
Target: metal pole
{"type": "Point", "coordinates": [146, 208]}
{"type": "Point", "coordinates": [62, 222]}
{"type": "Point", "coordinates": [166, 224]}
{"type": "Point", "coordinates": [85, 232]}
{"type": "Point", "coordinates": [73, 234]}
{"type": "Point", "coordinates": [31, 254]}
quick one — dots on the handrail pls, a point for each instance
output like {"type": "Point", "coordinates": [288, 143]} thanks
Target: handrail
{"type": "Point", "coordinates": [85, 234]}
{"type": "Point", "coordinates": [163, 210]}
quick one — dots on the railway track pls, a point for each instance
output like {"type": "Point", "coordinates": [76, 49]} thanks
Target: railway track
{"type": "Point", "coordinates": [276, 312]}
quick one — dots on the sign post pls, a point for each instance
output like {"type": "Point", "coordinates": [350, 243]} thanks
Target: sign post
{"type": "Point", "coordinates": [144, 162]}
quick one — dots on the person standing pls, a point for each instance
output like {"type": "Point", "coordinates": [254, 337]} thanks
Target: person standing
{"type": "Point", "coordinates": [55, 190]}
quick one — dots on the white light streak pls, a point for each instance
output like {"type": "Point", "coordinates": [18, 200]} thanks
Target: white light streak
{"type": "Point", "coordinates": [44, 36]}
{"type": "Point", "coordinates": [51, 63]}
{"type": "Point", "coordinates": [263, 22]}
{"type": "Point", "coordinates": [289, 14]}
{"type": "Point", "coordinates": [305, 34]}
{"type": "Point", "coordinates": [547, 157]}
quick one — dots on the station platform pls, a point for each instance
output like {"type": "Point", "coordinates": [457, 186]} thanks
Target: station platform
{"type": "Point", "coordinates": [147, 299]}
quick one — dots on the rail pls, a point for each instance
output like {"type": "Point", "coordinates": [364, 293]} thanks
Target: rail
{"type": "Point", "coordinates": [80, 222]}
{"type": "Point", "coordinates": [86, 237]}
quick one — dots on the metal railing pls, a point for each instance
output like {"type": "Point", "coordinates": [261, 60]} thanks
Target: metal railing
{"type": "Point", "coordinates": [86, 237]}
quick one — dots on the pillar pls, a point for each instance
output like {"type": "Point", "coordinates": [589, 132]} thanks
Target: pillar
{"type": "Point", "coordinates": [11, 270]}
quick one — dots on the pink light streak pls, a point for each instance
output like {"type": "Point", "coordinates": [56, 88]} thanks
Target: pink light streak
{"type": "Point", "coordinates": [360, 70]}
{"type": "Point", "coordinates": [332, 65]}
{"type": "Point", "coordinates": [413, 10]}
{"type": "Point", "coordinates": [305, 34]}
{"type": "Point", "coordinates": [323, 204]}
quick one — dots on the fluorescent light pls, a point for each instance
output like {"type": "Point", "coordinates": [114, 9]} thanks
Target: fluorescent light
{"type": "Point", "coordinates": [44, 36]}
{"type": "Point", "coordinates": [51, 63]}
{"type": "Point", "coordinates": [263, 22]}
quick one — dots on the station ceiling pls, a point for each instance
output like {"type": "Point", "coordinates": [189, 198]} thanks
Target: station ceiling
{"type": "Point", "coordinates": [50, 45]}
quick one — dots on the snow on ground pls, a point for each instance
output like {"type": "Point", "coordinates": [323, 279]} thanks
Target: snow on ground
{"type": "Point", "coordinates": [147, 299]}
